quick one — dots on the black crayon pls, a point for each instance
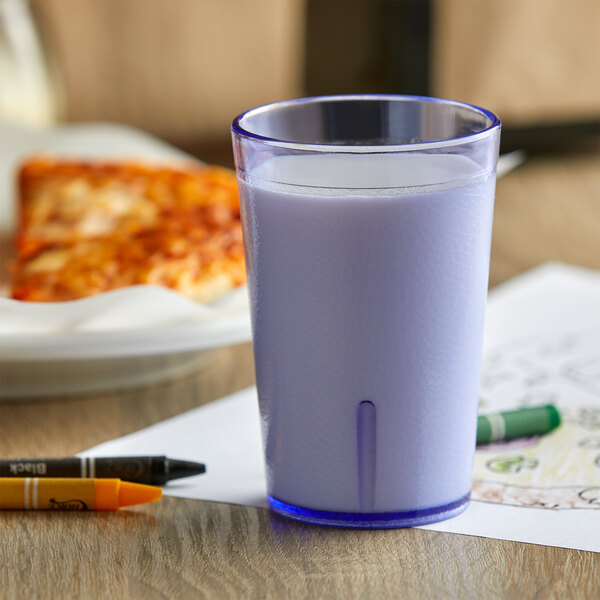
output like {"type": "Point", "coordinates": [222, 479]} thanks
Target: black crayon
{"type": "Point", "coordinates": [153, 470]}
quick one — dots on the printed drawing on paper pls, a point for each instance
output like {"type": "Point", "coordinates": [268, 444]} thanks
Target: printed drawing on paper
{"type": "Point", "coordinates": [560, 470]}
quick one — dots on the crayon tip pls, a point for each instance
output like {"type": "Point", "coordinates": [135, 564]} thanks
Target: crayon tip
{"type": "Point", "coordinates": [137, 493]}
{"type": "Point", "coordinates": [183, 468]}
{"type": "Point", "coordinates": [553, 415]}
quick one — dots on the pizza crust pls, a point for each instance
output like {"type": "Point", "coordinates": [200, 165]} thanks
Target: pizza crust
{"type": "Point", "coordinates": [86, 228]}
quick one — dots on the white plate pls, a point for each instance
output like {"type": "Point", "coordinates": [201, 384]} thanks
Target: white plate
{"type": "Point", "coordinates": [127, 337]}
{"type": "Point", "coordinates": [141, 320]}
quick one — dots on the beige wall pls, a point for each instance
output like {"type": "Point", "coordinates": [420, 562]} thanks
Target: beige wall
{"type": "Point", "coordinates": [181, 69]}
{"type": "Point", "coordinates": [529, 60]}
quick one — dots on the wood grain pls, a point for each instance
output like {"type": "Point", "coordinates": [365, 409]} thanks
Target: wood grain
{"type": "Point", "coordinates": [530, 61]}
{"type": "Point", "coordinates": [546, 210]}
{"type": "Point", "coordinates": [178, 69]}
{"type": "Point", "coordinates": [70, 424]}
{"type": "Point", "coordinates": [194, 549]}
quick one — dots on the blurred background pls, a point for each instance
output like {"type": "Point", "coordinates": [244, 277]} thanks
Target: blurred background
{"type": "Point", "coordinates": [182, 69]}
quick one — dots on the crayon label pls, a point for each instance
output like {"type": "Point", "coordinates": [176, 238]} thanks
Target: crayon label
{"type": "Point", "coordinates": [19, 469]}
{"type": "Point", "coordinates": [47, 494]}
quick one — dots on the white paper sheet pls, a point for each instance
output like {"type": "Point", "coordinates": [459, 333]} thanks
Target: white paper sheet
{"type": "Point", "coordinates": [542, 344]}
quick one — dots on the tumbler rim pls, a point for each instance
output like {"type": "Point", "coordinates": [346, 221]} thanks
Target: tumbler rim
{"type": "Point", "coordinates": [240, 131]}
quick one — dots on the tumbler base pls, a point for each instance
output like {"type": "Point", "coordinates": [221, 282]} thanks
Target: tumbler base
{"type": "Point", "coordinates": [389, 520]}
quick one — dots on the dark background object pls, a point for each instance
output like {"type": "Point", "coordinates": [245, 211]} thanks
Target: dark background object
{"type": "Point", "coordinates": [376, 46]}
{"type": "Point", "coordinates": [386, 46]}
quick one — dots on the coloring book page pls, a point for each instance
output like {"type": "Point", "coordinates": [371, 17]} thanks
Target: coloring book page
{"type": "Point", "coordinates": [561, 470]}
{"type": "Point", "coordinates": [542, 346]}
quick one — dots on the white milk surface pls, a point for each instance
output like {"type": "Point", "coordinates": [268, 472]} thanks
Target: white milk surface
{"type": "Point", "coordinates": [371, 295]}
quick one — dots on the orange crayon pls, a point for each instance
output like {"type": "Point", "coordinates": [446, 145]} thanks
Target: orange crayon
{"type": "Point", "coordinates": [33, 493]}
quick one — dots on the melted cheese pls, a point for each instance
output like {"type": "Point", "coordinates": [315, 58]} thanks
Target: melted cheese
{"type": "Point", "coordinates": [90, 228]}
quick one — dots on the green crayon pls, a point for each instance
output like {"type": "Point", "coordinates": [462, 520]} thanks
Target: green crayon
{"type": "Point", "coordinates": [524, 422]}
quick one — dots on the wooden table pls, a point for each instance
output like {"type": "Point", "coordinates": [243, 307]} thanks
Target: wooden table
{"type": "Point", "coordinates": [548, 209]}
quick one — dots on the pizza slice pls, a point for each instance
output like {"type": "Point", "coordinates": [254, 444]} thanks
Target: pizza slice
{"type": "Point", "coordinates": [87, 228]}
